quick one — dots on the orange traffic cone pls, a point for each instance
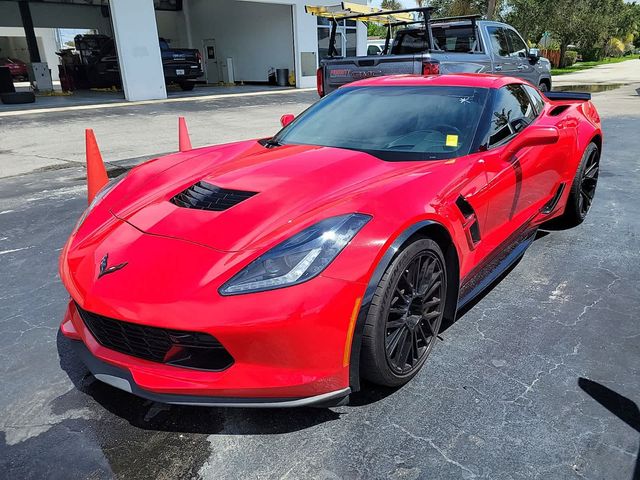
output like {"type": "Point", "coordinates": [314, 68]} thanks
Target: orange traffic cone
{"type": "Point", "coordinates": [96, 172]}
{"type": "Point", "coordinates": [183, 135]}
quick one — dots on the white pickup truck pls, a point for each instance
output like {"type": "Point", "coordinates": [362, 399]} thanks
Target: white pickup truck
{"type": "Point", "coordinates": [450, 45]}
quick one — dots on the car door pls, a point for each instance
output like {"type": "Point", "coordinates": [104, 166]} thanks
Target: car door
{"type": "Point", "coordinates": [520, 53]}
{"type": "Point", "coordinates": [516, 188]}
{"type": "Point", "coordinates": [500, 48]}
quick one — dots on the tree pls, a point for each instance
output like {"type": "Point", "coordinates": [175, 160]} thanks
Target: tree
{"type": "Point", "coordinates": [391, 5]}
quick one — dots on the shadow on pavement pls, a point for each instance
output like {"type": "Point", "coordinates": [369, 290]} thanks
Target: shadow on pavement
{"type": "Point", "coordinates": [148, 415]}
{"type": "Point", "coordinates": [620, 406]}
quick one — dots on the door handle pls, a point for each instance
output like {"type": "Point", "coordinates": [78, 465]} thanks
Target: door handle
{"type": "Point", "coordinates": [498, 68]}
{"type": "Point", "coordinates": [521, 67]}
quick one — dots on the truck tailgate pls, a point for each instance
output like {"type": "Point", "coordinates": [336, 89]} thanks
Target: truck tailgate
{"type": "Point", "coordinates": [340, 71]}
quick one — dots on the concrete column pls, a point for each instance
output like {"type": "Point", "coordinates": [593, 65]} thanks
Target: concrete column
{"type": "Point", "coordinates": [136, 36]}
{"type": "Point", "coordinates": [29, 32]}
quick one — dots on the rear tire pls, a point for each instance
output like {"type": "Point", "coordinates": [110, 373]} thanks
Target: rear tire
{"type": "Point", "coordinates": [544, 86]}
{"type": "Point", "coordinates": [582, 191]}
{"type": "Point", "coordinates": [405, 315]}
{"type": "Point", "coordinates": [187, 86]}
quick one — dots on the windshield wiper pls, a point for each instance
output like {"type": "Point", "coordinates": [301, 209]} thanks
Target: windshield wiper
{"type": "Point", "coordinates": [271, 143]}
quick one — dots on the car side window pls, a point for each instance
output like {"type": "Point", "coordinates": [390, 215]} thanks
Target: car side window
{"type": "Point", "coordinates": [536, 98]}
{"type": "Point", "coordinates": [517, 48]}
{"type": "Point", "coordinates": [512, 113]}
{"type": "Point", "coordinates": [499, 42]}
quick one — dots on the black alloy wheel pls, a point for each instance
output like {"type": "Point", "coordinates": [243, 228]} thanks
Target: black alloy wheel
{"type": "Point", "coordinates": [415, 313]}
{"type": "Point", "coordinates": [405, 315]}
{"type": "Point", "coordinates": [589, 182]}
{"type": "Point", "coordinates": [582, 192]}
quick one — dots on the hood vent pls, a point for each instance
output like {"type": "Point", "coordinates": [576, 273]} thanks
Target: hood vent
{"type": "Point", "coordinates": [204, 196]}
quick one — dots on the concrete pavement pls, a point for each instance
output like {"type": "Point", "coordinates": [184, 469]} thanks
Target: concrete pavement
{"type": "Point", "coordinates": [627, 72]}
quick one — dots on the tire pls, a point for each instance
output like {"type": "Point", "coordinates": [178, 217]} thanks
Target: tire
{"type": "Point", "coordinates": [544, 86]}
{"type": "Point", "coordinates": [17, 98]}
{"type": "Point", "coordinates": [187, 86]}
{"type": "Point", "coordinates": [400, 323]}
{"type": "Point", "coordinates": [583, 189]}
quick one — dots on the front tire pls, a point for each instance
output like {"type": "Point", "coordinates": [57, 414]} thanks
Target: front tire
{"type": "Point", "coordinates": [405, 315]}
{"type": "Point", "coordinates": [582, 191]}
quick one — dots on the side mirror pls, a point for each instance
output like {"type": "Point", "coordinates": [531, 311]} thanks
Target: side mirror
{"type": "Point", "coordinates": [286, 119]}
{"type": "Point", "coordinates": [534, 54]}
{"type": "Point", "coordinates": [530, 137]}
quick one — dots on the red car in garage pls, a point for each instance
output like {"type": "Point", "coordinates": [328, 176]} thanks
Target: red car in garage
{"type": "Point", "coordinates": [17, 67]}
{"type": "Point", "coordinates": [281, 271]}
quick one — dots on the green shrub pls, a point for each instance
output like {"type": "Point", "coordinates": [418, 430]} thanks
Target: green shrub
{"type": "Point", "coordinates": [570, 58]}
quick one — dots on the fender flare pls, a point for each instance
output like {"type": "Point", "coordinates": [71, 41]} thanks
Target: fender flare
{"type": "Point", "coordinates": [372, 285]}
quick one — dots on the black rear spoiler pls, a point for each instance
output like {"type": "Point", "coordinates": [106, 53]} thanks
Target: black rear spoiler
{"type": "Point", "coordinates": [560, 96]}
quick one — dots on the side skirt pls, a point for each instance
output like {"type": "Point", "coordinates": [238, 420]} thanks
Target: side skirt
{"type": "Point", "coordinates": [495, 265]}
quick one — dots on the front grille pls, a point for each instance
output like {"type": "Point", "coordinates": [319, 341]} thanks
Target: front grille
{"type": "Point", "coordinates": [204, 196]}
{"type": "Point", "coordinates": [174, 347]}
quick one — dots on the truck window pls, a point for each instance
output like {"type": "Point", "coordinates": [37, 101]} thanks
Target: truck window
{"type": "Point", "coordinates": [512, 113]}
{"type": "Point", "coordinates": [517, 48]}
{"type": "Point", "coordinates": [457, 38]}
{"type": "Point", "coordinates": [499, 42]}
{"type": "Point", "coordinates": [164, 45]}
{"type": "Point", "coordinates": [409, 41]}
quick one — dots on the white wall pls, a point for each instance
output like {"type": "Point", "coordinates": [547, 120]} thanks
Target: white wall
{"type": "Point", "coordinates": [171, 26]}
{"type": "Point", "coordinates": [256, 35]}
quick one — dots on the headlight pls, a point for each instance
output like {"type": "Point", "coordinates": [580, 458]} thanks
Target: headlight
{"type": "Point", "coordinates": [299, 258]}
{"type": "Point", "coordinates": [99, 196]}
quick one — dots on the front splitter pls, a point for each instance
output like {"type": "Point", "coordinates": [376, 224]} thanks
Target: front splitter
{"type": "Point", "coordinates": [123, 380]}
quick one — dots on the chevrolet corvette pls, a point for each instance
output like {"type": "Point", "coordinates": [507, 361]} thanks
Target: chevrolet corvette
{"type": "Point", "coordinates": [281, 271]}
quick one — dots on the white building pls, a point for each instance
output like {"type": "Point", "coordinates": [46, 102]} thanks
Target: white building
{"type": "Point", "coordinates": [257, 35]}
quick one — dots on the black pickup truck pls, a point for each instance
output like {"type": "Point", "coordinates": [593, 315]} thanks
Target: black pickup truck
{"type": "Point", "coordinates": [100, 60]}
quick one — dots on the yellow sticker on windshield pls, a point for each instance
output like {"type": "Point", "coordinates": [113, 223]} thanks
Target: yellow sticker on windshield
{"type": "Point", "coordinates": [452, 141]}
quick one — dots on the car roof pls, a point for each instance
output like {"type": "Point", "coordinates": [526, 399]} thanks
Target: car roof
{"type": "Point", "coordinates": [477, 80]}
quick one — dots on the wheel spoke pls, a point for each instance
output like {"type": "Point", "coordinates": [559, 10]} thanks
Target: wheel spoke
{"type": "Point", "coordinates": [392, 342]}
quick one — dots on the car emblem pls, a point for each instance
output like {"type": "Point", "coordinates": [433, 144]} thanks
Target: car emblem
{"type": "Point", "coordinates": [105, 269]}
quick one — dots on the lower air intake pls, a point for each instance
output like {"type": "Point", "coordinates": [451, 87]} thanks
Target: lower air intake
{"type": "Point", "coordinates": [173, 347]}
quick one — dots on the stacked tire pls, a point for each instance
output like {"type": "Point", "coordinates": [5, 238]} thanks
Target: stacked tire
{"type": "Point", "coordinates": [8, 94]}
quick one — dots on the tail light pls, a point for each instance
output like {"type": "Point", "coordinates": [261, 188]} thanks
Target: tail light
{"type": "Point", "coordinates": [199, 57]}
{"type": "Point", "coordinates": [320, 81]}
{"type": "Point", "coordinates": [430, 68]}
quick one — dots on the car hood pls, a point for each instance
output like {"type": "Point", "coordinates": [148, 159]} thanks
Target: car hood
{"type": "Point", "coordinates": [294, 185]}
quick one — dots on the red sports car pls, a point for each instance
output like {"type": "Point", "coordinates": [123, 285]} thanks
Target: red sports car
{"type": "Point", "coordinates": [281, 271]}
{"type": "Point", "coordinates": [17, 67]}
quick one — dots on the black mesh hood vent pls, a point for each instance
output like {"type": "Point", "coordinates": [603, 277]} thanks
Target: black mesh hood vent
{"type": "Point", "coordinates": [204, 196]}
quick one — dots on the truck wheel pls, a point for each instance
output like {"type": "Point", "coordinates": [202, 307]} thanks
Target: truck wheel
{"type": "Point", "coordinates": [187, 86]}
{"type": "Point", "coordinates": [544, 86]}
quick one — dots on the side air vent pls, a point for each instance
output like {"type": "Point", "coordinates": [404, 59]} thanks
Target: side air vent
{"type": "Point", "coordinates": [204, 196]}
{"type": "Point", "coordinates": [470, 225]}
{"type": "Point", "coordinates": [555, 111]}
{"type": "Point", "coordinates": [551, 204]}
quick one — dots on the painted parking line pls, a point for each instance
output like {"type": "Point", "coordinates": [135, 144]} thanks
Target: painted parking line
{"type": "Point", "coordinates": [152, 102]}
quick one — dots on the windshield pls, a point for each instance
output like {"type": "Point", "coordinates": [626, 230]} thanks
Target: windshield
{"type": "Point", "coordinates": [392, 123]}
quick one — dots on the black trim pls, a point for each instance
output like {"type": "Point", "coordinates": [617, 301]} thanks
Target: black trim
{"type": "Point", "coordinates": [120, 377]}
{"type": "Point", "coordinates": [385, 261]}
{"type": "Point", "coordinates": [495, 264]}
{"type": "Point", "coordinates": [558, 95]}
